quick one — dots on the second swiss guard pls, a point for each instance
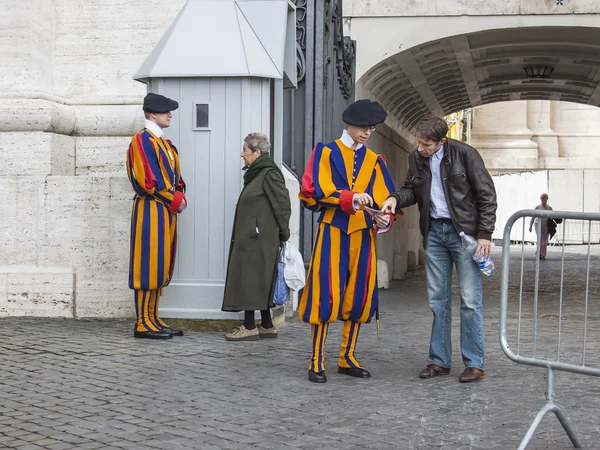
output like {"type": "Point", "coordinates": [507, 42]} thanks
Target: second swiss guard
{"type": "Point", "coordinates": [345, 183]}
{"type": "Point", "coordinates": [155, 175]}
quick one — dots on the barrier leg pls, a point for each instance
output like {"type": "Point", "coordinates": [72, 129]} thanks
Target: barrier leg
{"type": "Point", "coordinates": [536, 422]}
{"type": "Point", "coordinates": [567, 426]}
{"type": "Point", "coordinates": [550, 406]}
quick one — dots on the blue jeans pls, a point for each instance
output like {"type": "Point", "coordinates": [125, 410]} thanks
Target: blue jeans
{"type": "Point", "coordinates": [443, 249]}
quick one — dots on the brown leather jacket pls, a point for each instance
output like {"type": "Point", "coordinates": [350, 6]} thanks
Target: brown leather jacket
{"type": "Point", "coordinates": [468, 188]}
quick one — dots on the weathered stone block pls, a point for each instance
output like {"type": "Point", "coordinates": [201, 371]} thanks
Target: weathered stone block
{"type": "Point", "coordinates": [26, 44]}
{"type": "Point", "coordinates": [104, 294]}
{"type": "Point", "coordinates": [20, 234]}
{"type": "Point", "coordinates": [109, 120]}
{"type": "Point", "coordinates": [33, 291]}
{"type": "Point", "coordinates": [53, 154]}
{"type": "Point", "coordinates": [36, 114]}
{"type": "Point", "coordinates": [91, 218]}
{"type": "Point", "coordinates": [97, 48]}
{"type": "Point", "coordinates": [3, 303]}
{"type": "Point", "coordinates": [79, 223]}
{"type": "Point", "coordinates": [101, 155]}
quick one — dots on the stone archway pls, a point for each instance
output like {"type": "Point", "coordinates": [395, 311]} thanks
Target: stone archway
{"type": "Point", "coordinates": [467, 70]}
{"type": "Point", "coordinates": [556, 63]}
{"type": "Point", "coordinates": [485, 67]}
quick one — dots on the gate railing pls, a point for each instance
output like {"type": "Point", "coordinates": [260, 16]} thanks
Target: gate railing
{"type": "Point", "coordinates": [534, 359]}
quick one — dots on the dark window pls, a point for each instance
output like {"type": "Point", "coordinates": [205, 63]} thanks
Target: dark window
{"type": "Point", "coordinates": [202, 115]}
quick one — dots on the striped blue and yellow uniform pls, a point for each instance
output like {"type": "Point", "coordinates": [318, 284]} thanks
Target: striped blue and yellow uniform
{"type": "Point", "coordinates": [155, 175]}
{"type": "Point", "coordinates": [342, 279]}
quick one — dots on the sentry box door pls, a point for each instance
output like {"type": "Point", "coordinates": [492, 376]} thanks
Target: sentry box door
{"type": "Point", "coordinates": [214, 116]}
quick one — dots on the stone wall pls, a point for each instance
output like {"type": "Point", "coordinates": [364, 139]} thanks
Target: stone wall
{"type": "Point", "coordinates": [424, 8]}
{"type": "Point", "coordinates": [69, 107]}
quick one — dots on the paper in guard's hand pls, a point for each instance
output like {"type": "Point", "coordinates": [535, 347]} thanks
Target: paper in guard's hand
{"type": "Point", "coordinates": [373, 212]}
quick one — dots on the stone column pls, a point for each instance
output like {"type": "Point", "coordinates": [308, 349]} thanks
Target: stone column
{"type": "Point", "coordinates": [26, 78]}
{"type": "Point", "coordinates": [501, 135]}
{"type": "Point", "coordinates": [539, 118]}
{"type": "Point", "coordinates": [26, 43]}
{"type": "Point", "coordinates": [30, 156]}
{"type": "Point", "coordinates": [577, 128]}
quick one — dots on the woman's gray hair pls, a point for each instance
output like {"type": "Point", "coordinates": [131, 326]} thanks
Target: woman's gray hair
{"type": "Point", "coordinates": [258, 141]}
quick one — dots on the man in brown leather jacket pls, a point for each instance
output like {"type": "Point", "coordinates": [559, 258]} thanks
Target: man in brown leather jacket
{"type": "Point", "coordinates": [455, 193]}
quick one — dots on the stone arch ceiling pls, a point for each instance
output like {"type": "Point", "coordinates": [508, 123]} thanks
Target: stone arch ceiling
{"type": "Point", "coordinates": [463, 71]}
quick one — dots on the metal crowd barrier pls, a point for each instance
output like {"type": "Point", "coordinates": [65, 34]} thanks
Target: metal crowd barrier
{"type": "Point", "coordinates": [533, 359]}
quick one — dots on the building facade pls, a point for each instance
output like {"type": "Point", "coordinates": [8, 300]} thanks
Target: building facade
{"type": "Point", "coordinates": [70, 105]}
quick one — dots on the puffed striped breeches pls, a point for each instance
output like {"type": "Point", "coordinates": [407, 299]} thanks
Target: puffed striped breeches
{"type": "Point", "coordinates": [341, 285]}
{"type": "Point", "coordinates": [152, 258]}
{"type": "Point", "coordinates": [342, 278]}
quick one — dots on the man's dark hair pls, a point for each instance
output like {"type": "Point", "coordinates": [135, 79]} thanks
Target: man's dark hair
{"type": "Point", "coordinates": [432, 128]}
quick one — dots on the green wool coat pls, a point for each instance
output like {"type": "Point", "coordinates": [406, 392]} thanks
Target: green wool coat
{"type": "Point", "coordinates": [261, 222]}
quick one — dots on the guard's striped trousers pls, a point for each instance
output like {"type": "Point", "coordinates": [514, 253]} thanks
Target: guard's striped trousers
{"type": "Point", "coordinates": [152, 259]}
{"type": "Point", "coordinates": [146, 309]}
{"type": "Point", "coordinates": [349, 338]}
{"type": "Point", "coordinates": [342, 277]}
{"type": "Point", "coordinates": [153, 244]}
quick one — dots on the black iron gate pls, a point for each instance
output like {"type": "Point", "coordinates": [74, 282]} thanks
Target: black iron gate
{"type": "Point", "coordinates": [313, 112]}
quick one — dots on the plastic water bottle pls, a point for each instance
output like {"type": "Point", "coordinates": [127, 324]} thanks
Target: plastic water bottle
{"type": "Point", "coordinates": [485, 263]}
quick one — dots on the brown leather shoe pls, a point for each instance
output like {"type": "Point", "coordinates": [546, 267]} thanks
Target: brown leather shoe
{"type": "Point", "coordinates": [471, 374]}
{"type": "Point", "coordinates": [433, 370]}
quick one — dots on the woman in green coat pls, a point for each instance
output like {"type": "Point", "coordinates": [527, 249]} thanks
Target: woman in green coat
{"type": "Point", "coordinates": [260, 228]}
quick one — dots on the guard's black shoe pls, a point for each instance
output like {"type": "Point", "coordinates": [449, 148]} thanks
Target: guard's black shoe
{"type": "Point", "coordinates": [163, 334]}
{"type": "Point", "coordinates": [357, 372]}
{"type": "Point", "coordinates": [174, 332]}
{"type": "Point", "coordinates": [317, 377]}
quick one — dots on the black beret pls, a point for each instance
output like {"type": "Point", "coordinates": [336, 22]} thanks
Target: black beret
{"type": "Point", "coordinates": [364, 113]}
{"type": "Point", "coordinates": [156, 103]}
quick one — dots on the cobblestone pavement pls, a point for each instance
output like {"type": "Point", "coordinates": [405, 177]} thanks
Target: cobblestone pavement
{"type": "Point", "coordinates": [88, 384]}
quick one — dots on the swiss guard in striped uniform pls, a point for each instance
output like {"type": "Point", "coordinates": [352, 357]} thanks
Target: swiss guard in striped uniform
{"type": "Point", "coordinates": [154, 173]}
{"type": "Point", "coordinates": [340, 180]}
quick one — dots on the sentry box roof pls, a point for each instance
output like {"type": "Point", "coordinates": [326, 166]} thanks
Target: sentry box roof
{"type": "Point", "coordinates": [222, 38]}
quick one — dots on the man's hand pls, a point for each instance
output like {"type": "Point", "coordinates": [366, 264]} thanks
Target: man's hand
{"type": "Point", "coordinates": [182, 206]}
{"type": "Point", "coordinates": [484, 248]}
{"type": "Point", "coordinates": [363, 199]}
{"type": "Point", "coordinates": [389, 206]}
{"type": "Point", "coordinates": [382, 220]}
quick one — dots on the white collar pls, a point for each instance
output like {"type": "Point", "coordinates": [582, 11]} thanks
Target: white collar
{"type": "Point", "coordinates": [158, 131]}
{"type": "Point", "coordinates": [439, 154]}
{"type": "Point", "coordinates": [348, 141]}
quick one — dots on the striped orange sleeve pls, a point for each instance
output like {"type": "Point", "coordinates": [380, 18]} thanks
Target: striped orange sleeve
{"type": "Point", "coordinates": [148, 174]}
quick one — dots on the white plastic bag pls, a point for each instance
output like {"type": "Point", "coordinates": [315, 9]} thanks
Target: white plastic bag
{"type": "Point", "coordinates": [294, 273]}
